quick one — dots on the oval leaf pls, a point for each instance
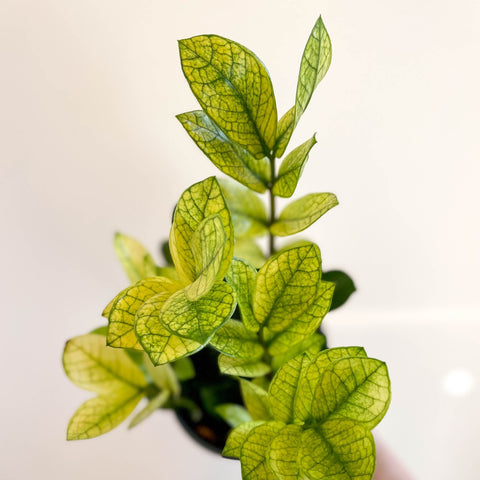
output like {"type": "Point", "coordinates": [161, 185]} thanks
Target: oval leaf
{"type": "Point", "coordinates": [233, 88]}
{"type": "Point", "coordinates": [91, 365]}
{"type": "Point", "coordinates": [134, 257]}
{"type": "Point", "coordinates": [121, 319]}
{"type": "Point", "coordinates": [198, 320]}
{"type": "Point", "coordinates": [302, 213]}
{"type": "Point", "coordinates": [316, 59]}
{"type": "Point", "coordinates": [197, 203]}
{"type": "Point", "coordinates": [291, 169]}
{"type": "Point", "coordinates": [286, 286]}
{"type": "Point", "coordinates": [227, 156]}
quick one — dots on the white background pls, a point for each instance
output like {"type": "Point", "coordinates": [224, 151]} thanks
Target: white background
{"type": "Point", "coordinates": [89, 145]}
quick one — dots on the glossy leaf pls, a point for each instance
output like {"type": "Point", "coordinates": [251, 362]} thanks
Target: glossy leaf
{"type": "Point", "coordinates": [197, 203]}
{"type": "Point", "coordinates": [253, 452]}
{"type": "Point", "coordinates": [339, 449]}
{"type": "Point", "coordinates": [285, 129]}
{"type": "Point", "coordinates": [316, 59]}
{"type": "Point", "coordinates": [255, 400]}
{"type": "Point", "coordinates": [312, 345]}
{"type": "Point", "coordinates": [283, 390]}
{"type": "Point", "coordinates": [344, 287]}
{"type": "Point", "coordinates": [286, 286]}
{"type": "Point", "coordinates": [234, 340]}
{"type": "Point", "coordinates": [241, 367]}
{"type": "Point", "coordinates": [304, 325]}
{"type": "Point", "coordinates": [101, 414]}
{"type": "Point", "coordinates": [227, 156]}
{"type": "Point", "coordinates": [241, 277]}
{"type": "Point", "coordinates": [121, 318]}
{"type": "Point", "coordinates": [356, 388]}
{"type": "Point", "coordinates": [237, 437]}
{"type": "Point", "coordinates": [160, 344]}
{"type": "Point", "coordinates": [302, 213]}
{"type": "Point", "coordinates": [93, 366]}
{"type": "Point", "coordinates": [198, 320]}
{"type": "Point", "coordinates": [234, 89]}
{"type": "Point", "coordinates": [248, 211]}
{"type": "Point", "coordinates": [154, 404]}
{"type": "Point", "coordinates": [233, 414]}
{"type": "Point", "coordinates": [291, 169]}
{"type": "Point", "coordinates": [282, 453]}
{"type": "Point", "coordinates": [311, 375]}
{"type": "Point", "coordinates": [134, 257]}
{"type": "Point", "coordinates": [208, 248]}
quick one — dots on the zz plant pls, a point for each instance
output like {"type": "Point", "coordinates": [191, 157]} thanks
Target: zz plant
{"type": "Point", "coordinates": [298, 409]}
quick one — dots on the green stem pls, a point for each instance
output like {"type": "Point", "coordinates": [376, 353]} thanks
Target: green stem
{"type": "Point", "coordinates": [271, 239]}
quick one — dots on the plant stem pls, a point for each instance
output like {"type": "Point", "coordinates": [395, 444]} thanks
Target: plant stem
{"type": "Point", "coordinates": [271, 239]}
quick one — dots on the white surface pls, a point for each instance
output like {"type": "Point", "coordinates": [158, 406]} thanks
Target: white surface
{"type": "Point", "coordinates": [89, 144]}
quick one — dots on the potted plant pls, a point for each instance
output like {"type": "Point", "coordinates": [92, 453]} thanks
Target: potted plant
{"type": "Point", "coordinates": [225, 334]}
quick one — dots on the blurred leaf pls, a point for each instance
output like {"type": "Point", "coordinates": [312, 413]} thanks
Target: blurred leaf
{"type": "Point", "coordinates": [135, 259]}
{"type": "Point", "coordinates": [246, 208]}
{"type": "Point", "coordinates": [255, 400]}
{"type": "Point", "coordinates": [344, 287]}
{"type": "Point", "coordinates": [184, 369]}
{"type": "Point", "coordinates": [248, 250]}
{"type": "Point", "coordinates": [240, 367]}
{"type": "Point", "coordinates": [233, 414]}
{"type": "Point", "coordinates": [285, 129]}
{"type": "Point", "coordinates": [154, 404]}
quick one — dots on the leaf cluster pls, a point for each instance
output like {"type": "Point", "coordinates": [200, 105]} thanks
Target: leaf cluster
{"type": "Point", "coordinates": [304, 411]}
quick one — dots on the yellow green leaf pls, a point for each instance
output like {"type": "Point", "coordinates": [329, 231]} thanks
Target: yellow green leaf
{"type": "Point", "coordinates": [287, 285]}
{"type": "Point", "coordinates": [229, 157]}
{"type": "Point", "coordinates": [240, 367]}
{"type": "Point", "coordinates": [255, 400]}
{"type": "Point", "coordinates": [134, 257]}
{"type": "Point", "coordinates": [248, 250]}
{"type": "Point", "coordinates": [160, 344]}
{"type": "Point", "coordinates": [284, 390]}
{"type": "Point", "coordinates": [241, 277]}
{"type": "Point", "coordinates": [233, 414]}
{"type": "Point", "coordinates": [198, 202]}
{"type": "Point", "coordinates": [311, 377]}
{"type": "Point", "coordinates": [198, 320]}
{"type": "Point", "coordinates": [302, 213]}
{"type": "Point", "coordinates": [208, 248]}
{"type": "Point", "coordinates": [237, 437]}
{"type": "Point", "coordinates": [292, 168]}
{"type": "Point", "coordinates": [234, 340]}
{"type": "Point", "coordinates": [339, 449]}
{"type": "Point", "coordinates": [233, 88]}
{"type": "Point", "coordinates": [316, 59]}
{"type": "Point", "coordinates": [285, 129]}
{"type": "Point", "coordinates": [248, 212]}
{"type": "Point", "coordinates": [356, 388]}
{"type": "Point", "coordinates": [91, 365]}
{"type": "Point", "coordinates": [154, 404]}
{"type": "Point", "coordinates": [304, 325]}
{"type": "Point", "coordinates": [283, 452]}
{"type": "Point", "coordinates": [163, 376]}
{"type": "Point", "coordinates": [312, 345]}
{"type": "Point", "coordinates": [121, 319]}
{"type": "Point", "coordinates": [101, 414]}
{"type": "Point", "coordinates": [253, 452]}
